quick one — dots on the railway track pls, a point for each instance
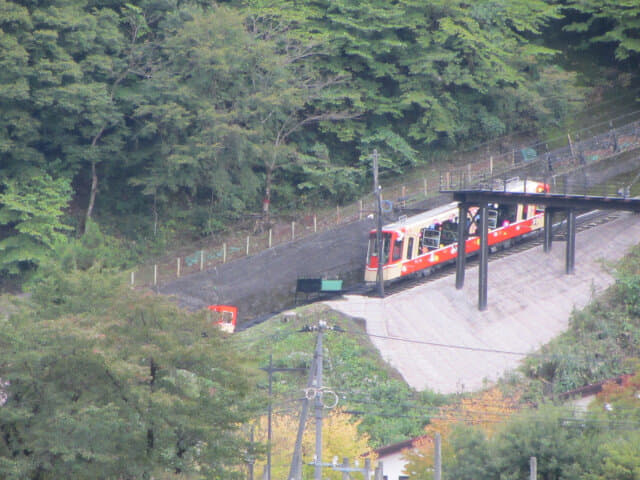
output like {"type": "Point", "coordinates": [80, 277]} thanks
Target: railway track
{"type": "Point", "coordinates": [584, 222]}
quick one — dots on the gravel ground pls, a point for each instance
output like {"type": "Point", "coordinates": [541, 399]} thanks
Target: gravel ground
{"type": "Point", "coordinates": [266, 282]}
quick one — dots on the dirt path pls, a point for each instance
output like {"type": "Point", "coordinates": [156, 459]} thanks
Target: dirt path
{"type": "Point", "coordinates": [525, 310]}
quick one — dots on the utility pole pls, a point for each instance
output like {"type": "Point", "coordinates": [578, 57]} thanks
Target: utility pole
{"type": "Point", "coordinates": [295, 472]}
{"type": "Point", "coordinates": [318, 403]}
{"type": "Point", "coordinates": [269, 430]}
{"type": "Point", "coordinates": [437, 463]}
{"type": "Point", "coordinates": [251, 460]}
{"type": "Point", "coordinates": [270, 369]}
{"type": "Point", "coordinates": [376, 191]}
{"type": "Point", "coordinates": [316, 391]}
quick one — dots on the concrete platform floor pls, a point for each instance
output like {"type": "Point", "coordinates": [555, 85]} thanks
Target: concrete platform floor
{"type": "Point", "coordinates": [445, 344]}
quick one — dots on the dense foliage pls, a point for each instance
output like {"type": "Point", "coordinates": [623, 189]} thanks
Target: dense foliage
{"type": "Point", "coordinates": [97, 381]}
{"type": "Point", "coordinates": [197, 113]}
{"type": "Point", "coordinates": [612, 24]}
{"type": "Point", "coordinates": [599, 444]}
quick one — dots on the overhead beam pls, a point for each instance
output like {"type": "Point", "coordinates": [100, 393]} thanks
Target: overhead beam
{"type": "Point", "coordinates": [559, 201]}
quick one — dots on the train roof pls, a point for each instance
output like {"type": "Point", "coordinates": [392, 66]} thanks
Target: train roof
{"type": "Point", "coordinates": [513, 185]}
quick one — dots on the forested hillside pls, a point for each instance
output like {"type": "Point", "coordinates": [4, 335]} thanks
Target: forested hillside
{"type": "Point", "coordinates": [161, 116]}
{"type": "Point", "coordinates": [150, 118]}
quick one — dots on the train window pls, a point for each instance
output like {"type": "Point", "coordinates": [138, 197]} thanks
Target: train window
{"type": "Point", "coordinates": [506, 215]}
{"type": "Point", "coordinates": [409, 248]}
{"type": "Point", "coordinates": [449, 233]}
{"type": "Point", "coordinates": [397, 250]}
{"type": "Point", "coordinates": [430, 238]}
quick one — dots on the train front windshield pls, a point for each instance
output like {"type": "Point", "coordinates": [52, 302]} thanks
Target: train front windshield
{"type": "Point", "coordinates": [372, 253]}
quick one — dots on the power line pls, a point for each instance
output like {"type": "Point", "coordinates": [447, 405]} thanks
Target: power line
{"type": "Point", "coordinates": [444, 345]}
{"type": "Point", "coordinates": [459, 347]}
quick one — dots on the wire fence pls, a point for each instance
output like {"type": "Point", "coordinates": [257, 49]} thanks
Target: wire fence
{"type": "Point", "coordinates": [496, 163]}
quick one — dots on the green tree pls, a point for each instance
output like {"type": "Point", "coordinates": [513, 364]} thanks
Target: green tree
{"type": "Point", "coordinates": [31, 207]}
{"type": "Point", "coordinates": [545, 434]}
{"type": "Point", "coordinates": [193, 145]}
{"type": "Point", "coordinates": [615, 22]}
{"type": "Point", "coordinates": [116, 385]}
{"type": "Point", "coordinates": [230, 99]}
{"type": "Point", "coordinates": [620, 455]}
{"type": "Point", "coordinates": [437, 74]}
{"type": "Point", "coordinates": [467, 455]}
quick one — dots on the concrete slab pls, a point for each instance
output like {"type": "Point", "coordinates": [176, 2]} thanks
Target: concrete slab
{"type": "Point", "coordinates": [443, 343]}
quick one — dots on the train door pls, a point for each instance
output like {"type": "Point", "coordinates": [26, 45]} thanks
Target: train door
{"type": "Point", "coordinates": [523, 210]}
{"type": "Point", "coordinates": [410, 247]}
{"type": "Point", "coordinates": [492, 218]}
{"type": "Point", "coordinates": [526, 211]}
{"type": "Point", "coordinates": [372, 249]}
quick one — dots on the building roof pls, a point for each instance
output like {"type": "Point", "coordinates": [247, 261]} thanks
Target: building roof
{"type": "Point", "coordinates": [400, 446]}
{"type": "Point", "coordinates": [592, 388]}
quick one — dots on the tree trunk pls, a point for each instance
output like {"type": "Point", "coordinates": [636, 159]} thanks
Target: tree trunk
{"type": "Point", "coordinates": [94, 182]}
{"type": "Point", "coordinates": [92, 194]}
{"type": "Point", "coordinates": [267, 195]}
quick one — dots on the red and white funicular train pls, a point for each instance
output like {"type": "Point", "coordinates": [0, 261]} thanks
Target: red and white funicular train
{"type": "Point", "coordinates": [417, 244]}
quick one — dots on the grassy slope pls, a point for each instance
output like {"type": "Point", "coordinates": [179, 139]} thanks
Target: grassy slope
{"type": "Point", "coordinates": [366, 385]}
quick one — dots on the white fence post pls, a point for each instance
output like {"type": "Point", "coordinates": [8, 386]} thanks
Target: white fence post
{"type": "Point", "coordinates": [201, 260]}
{"type": "Point", "coordinates": [155, 274]}
{"type": "Point", "coordinates": [533, 468]}
{"type": "Point", "coordinates": [224, 253]}
{"type": "Point", "coordinates": [248, 237]}
{"type": "Point", "coordinates": [270, 234]}
{"type": "Point", "coordinates": [178, 267]}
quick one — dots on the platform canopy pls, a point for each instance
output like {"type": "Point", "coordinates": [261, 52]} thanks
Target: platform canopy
{"type": "Point", "coordinates": [551, 200]}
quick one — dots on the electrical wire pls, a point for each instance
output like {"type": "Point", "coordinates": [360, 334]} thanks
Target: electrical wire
{"type": "Point", "coordinates": [468, 348]}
